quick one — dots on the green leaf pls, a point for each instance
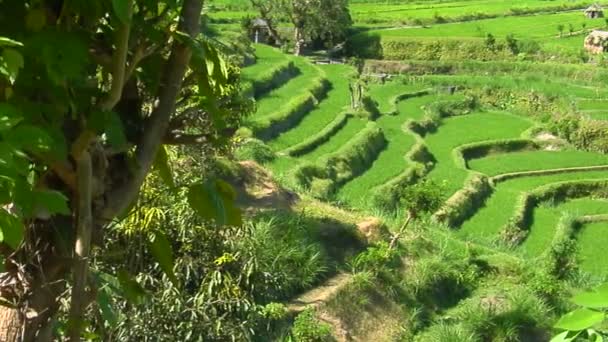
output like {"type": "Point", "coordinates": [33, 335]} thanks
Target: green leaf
{"type": "Point", "coordinates": [131, 289]}
{"type": "Point", "coordinates": [594, 336]}
{"type": "Point", "coordinates": [161, 250]}
{"type": "Point", "coordinates": [35, 20]}
{"type": "Point", "coordinates": [11, 229]}
{"type": "Point", "coordinates": [9, 42]}
{"type": "Point", "coordinates": [596, 299]}
{"type": "Point", "coordinates": [161, 164]}
{"type": "Point", "coordinates": [105, 306]}
{"type": "Point", "coordinates": [13, 62]}
{"type": "Point", "coordinates": [30, 138]}
{"type": "Point", "coordinates": [6, 157]}
{"type": "Point", "coordinates": [215, 200]}
{"type": "Point", "coordinates": [204, 200]}
{"type": "Point", "coordinates": [580, 319]}
{"type": "Point", "coordinates": [115, 131]}
{"type": "Point", "coordinates": [122, 10]}
{"type": "Point", "coordinates": [9, 116]}
{"type": "Point", "coordinates": [53, 201]}
{"type": "Point", "coordinates": [566, 336]}
{"type": "Point", "coordinates": [110, 124]}
{"type": "Point", "coordinates": [228, 194]}
{"type": "Point", "coordinates": [65, 55]}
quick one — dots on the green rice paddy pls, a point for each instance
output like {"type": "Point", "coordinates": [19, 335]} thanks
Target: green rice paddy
{"type": "Point", "coordinates": [592, 242]}
{"type": "Point", "coordinates": [542, 160]}
{"type": "Point", "coordinates": [466, 129]}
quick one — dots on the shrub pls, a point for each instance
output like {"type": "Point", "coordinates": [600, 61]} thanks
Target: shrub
{"type": "Point", "coordinates": [254, 149]}
{"type": "Point", "coordinates": [307, 328]}
{"type": "Point", "coordinates": [445, 332]}
{"type": "Point", "coordinates": [464, 203]}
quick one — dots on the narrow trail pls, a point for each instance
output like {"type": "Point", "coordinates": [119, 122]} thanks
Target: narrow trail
{"type": "Point", "coordinates": [320, 294]}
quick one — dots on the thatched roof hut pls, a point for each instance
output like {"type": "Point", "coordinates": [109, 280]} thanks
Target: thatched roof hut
{"type": "Point", "coordinates": [597, 42]}
{"type": "Point", "coordinates": [259, 30]}
{"type": "Point", "coordinates": [594, 11]}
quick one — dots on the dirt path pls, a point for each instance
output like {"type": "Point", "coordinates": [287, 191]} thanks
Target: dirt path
{"type": "Point", "coordinates": [320, 294]}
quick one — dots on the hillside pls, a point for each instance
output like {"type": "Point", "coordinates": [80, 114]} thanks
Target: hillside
{"type": "Point", "coordinates": [304, 170]}
{"type": "Point", "coordinates": [517, 185]}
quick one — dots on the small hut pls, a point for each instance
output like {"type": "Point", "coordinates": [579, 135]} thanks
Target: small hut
{"type": "Point", "coordinates": [260, 31]}
{"type": "Point", "coordinates": [594, 11]}
{"type": "Point", "coordinates": [597, 42]}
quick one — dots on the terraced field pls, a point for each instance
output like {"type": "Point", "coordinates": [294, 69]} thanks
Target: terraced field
{"type": "Point", "coordinates": [330, 149]}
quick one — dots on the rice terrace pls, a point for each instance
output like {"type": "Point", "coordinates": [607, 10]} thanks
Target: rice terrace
{"type": "Point", "coordinates": [496, 101]}
{"type": "Point", "coordinates": [304, 170]}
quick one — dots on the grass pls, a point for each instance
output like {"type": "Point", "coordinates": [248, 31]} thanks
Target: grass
{"type": "Point", "coordinates": [597, 115]}
{"type": "Point", "coordinates": [461, 130]}
{"type": "Point", "coordinates": [547, 216]}
{"type": "Point", "coordinates": [543, 160]}
{"type": "Point", "coordinates": [536, 26]}
{"type": "Point", "coordinates": [278, 97]}
{"type": "Point", "coordinates": [592, 241]}
{"type": "Point", "coordinates": [352, 127]}
{"type": "Point", "coordinates": [413, 107]}
{"type": "Point", "coordinates": [499, 208]}
{"type": "Point", "coordinates": [593, 104]}
{"type": "Point", "coordinates": [268, 58]}
{"type": "Point", "coordinates": [337, 100]}
{"type": "Point", "coordinates": [390, 162]}
{"type": "Point", "coordinates": [382, 12]}
{"type": "Point", "coordinates": [562, 88]}
{"type": "Point", "coordinates": [385, 94]}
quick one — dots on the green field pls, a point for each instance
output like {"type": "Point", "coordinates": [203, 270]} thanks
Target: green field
{"type": "Point", "coordinates": [511, 101]}
{"type": "Point", "coordinates": [592, 245]}
{"type": "Point", "coordinates": [499, 208]}
{"type": "Point", "coordinates": [325, 112]}
{"type": "Point", "coordinates": [546, 219]}
{"type": "Point", "coordinates": [380, 12]}
{"type": "Point", "coordinates": [466, 129]}
{"type": "Point", "coordinates": [389, 163]}
{"type": "Point", "coordinates": [353, 126]}
{"type": "Point", "coordinates": [543, 160]}
{"type": "Point", "coordinates": [542, 26]}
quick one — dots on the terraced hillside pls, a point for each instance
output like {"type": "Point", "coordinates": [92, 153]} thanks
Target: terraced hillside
{"type": "Point", "coordinates": [510, 181]}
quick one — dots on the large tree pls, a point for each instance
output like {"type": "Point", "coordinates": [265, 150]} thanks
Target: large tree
{"type": "Point", "coordinates": [328, 20]}
{"type": "Point", "coordinates": [91, 91]}
{"type": "Point", "coordinates": [268, 10]}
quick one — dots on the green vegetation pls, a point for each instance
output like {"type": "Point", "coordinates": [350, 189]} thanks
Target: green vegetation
{"type": "Point", "coordinates": [371, 170]}
{"type": "Point", "coordinates": [543, 160]}
{"type": "Point", "coordinates": [466, 129]}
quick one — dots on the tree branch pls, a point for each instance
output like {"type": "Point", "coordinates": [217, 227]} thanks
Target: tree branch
{"type": "Point", "coordinates": [119, 60]}
{"type": "Point", "coordinates": [186, 139]}
{"type": "Point", "coordinates": [156, 126]}
{"type": "Point", "coordinates": [82, 247]}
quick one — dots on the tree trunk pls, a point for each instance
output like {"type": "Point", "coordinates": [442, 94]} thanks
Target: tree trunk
{"type": "Point", "coordinates": [32, 319]}
{"type": "Point", "coordinates": [273, 33]}
{"type": "Point", "coordinates": [10, 324]}
{"type": "Point", "coordinates": [297, 50]}
{"type": "Point", "coordinates": [33, 282]}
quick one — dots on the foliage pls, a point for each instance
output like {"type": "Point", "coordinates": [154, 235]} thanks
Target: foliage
{"type": "Point", "coordinates": [92, 91]}
{"type": "Point", "coordinates": [580, 323]}
{"type": "Point", "coordinates": [254, 149]}
{"type": "Point", "coordinates": [423, 197]}
{"type": "Point", "coordinates": [307, 328]}
{"type": "Point", "coordinates": [317, 19]}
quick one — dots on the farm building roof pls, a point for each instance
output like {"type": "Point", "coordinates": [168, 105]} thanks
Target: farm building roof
{"type": "Point", "coordinates": [594, 8]}
{"type": "Point", "coordinates": [598, 33]}
{"type": "Point", "coordinates": [259, 23]}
